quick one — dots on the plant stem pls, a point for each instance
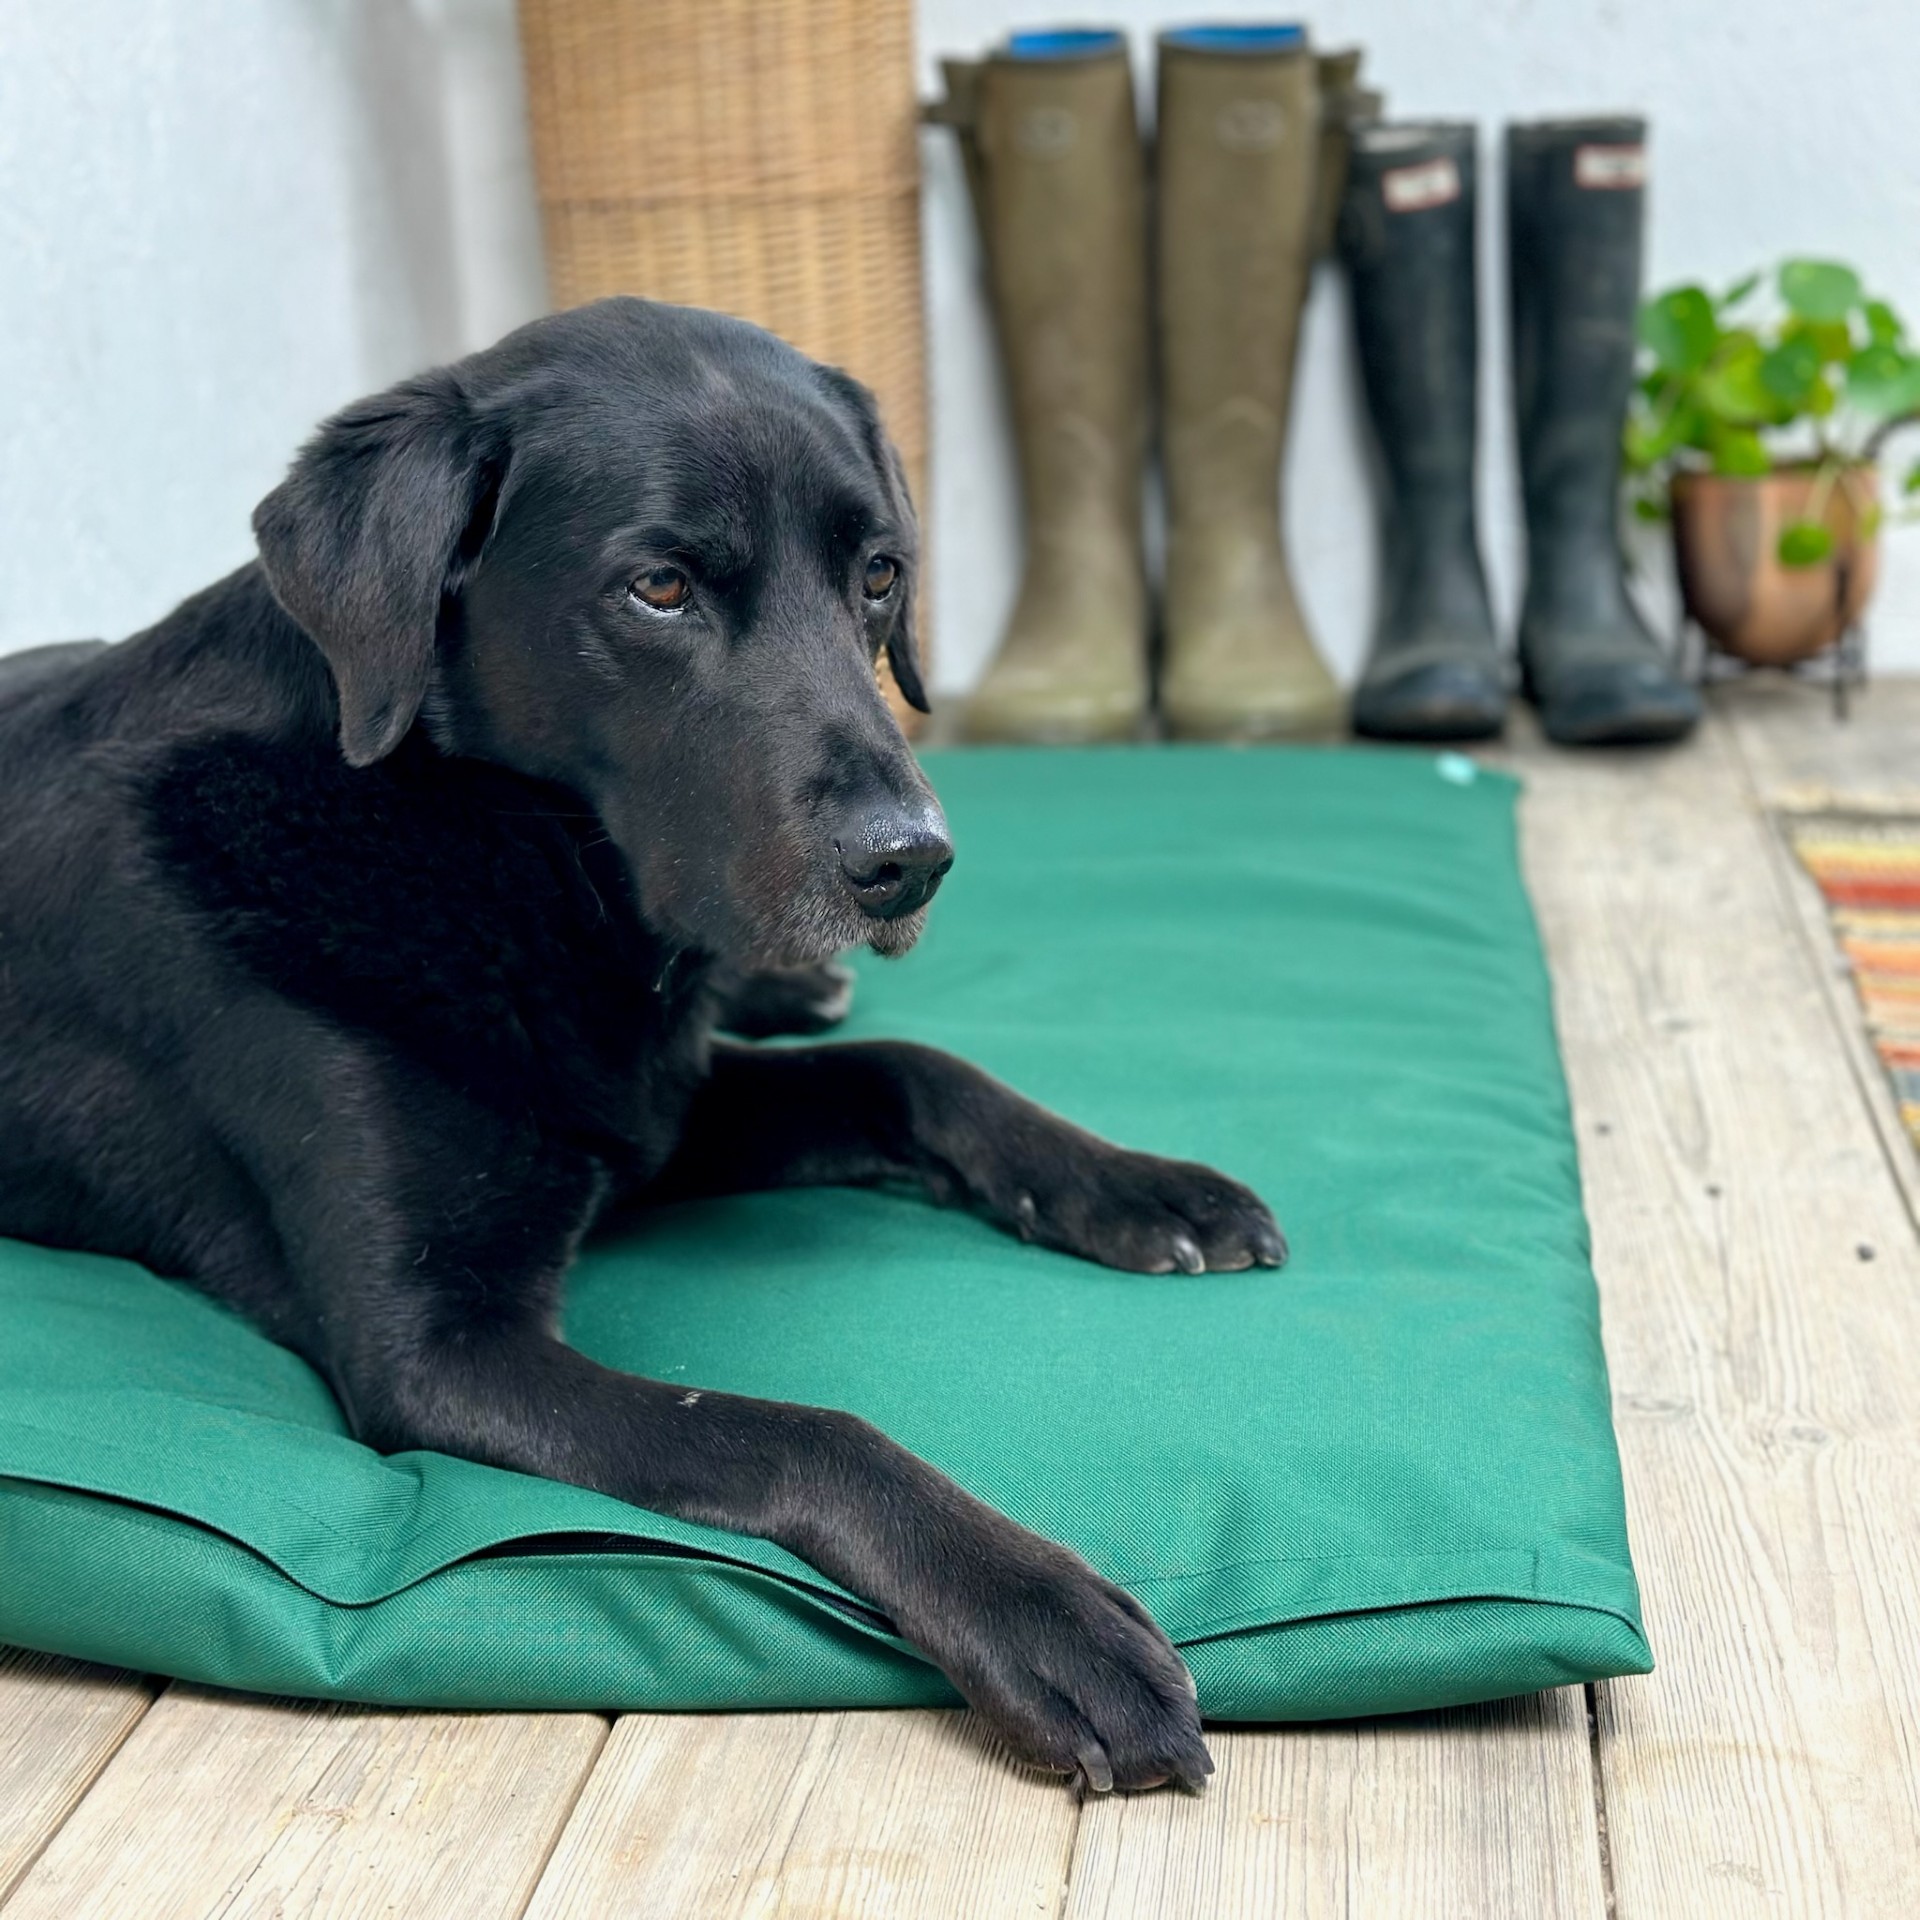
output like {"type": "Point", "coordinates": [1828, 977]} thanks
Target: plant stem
{"type": "Point", "coordinates": [1829, 471]}
{"type": "Point", "coordinates": [1878, 437]}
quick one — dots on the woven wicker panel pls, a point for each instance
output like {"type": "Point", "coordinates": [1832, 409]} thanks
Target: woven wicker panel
{"type": "Point", "coordinates": [758, 158]}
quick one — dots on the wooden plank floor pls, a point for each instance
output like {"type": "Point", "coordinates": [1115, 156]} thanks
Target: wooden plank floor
{"type": "Point", "coordinates": [1757, 1239]}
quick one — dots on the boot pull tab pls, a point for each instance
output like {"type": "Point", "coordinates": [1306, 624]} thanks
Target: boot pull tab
{"type": "Point", "coordinates": [959, 107]}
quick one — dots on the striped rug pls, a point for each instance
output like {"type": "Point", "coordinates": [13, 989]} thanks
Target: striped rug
{"type": "Point", "coordinates": [1868, 867]}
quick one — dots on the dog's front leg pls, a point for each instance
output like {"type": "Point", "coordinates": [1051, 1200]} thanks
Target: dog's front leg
{"type": "Point", "coordinates": [1065, 1667]}
{"type": "Point", "coordinates": [426, 1242]}
{"type": "Point", "coordinates": [870, 1112]}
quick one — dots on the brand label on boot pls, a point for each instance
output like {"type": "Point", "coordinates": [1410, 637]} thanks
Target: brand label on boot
{"type": "Point", "coordinates": [1046, 133]}
{"type": "Point", "coordinates": [1250, 126]}
{"type": "Point", "coordinates": [1428, 183]}
{"type": "Point", "coordinates": [1610, 167]}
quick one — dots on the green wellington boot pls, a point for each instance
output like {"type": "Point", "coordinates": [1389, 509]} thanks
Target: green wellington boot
{"type": "Point", "coordinates": [1054, 161]}
{"type": "Point", "coordinates": [1239, 142]}
{"type": "Point", "coordinates": [1575, 207]}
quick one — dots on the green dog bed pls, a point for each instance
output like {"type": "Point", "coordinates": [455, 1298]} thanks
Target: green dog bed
{"type": "Point", "coordinates": [1383, 1478]}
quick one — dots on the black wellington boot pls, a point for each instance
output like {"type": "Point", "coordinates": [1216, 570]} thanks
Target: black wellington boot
{"type": "Point", "coordinates": [1575, 203]}
{"type": "Point", "coordinates": [1406, 234]}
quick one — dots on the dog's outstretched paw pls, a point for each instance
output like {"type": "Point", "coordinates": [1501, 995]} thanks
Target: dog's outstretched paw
{"type": "Point", "coordinates": [1146, 1215]}
{"type": "Point", "coordinates": [1073, 1675]}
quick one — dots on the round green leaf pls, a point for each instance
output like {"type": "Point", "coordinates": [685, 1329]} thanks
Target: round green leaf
{"type": "Point", "coordinates": [1830, 339]}
{"type": "Point", "coordinates": [1733, 391]}
{"type": "Point", "coordinates": [1790, 370]}
{"type": "Point", "coordinates": [1819, 289]}
{"type": "Point", "coordinates": [1738, 451]}
{"type": "Point", "coordinates": [1653, 433]}
{"type": "Point", "coordinates": [1805, 543]}
{"type": "Point", "coordinates": [1691, 426]}
{"type": "Point", "coordinates": [1883, 381]}
{"type": "Point", "coordinates": [1642, 444]}
{"type": "Point", "coordinates": [1884, 326]}
{"type": "Point", "coordinates": [1679, 329]}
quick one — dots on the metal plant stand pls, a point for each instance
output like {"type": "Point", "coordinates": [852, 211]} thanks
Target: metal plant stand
{"type": "Point", "coordinates": [1842, 666]}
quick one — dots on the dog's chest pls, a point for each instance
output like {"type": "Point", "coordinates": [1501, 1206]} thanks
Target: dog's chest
{"type": "Point", "coordinates": [436, 905]}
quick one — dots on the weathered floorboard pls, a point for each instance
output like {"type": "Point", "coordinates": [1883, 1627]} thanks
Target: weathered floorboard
{"type": "Point", "coordinates": [60, 1723]}
{"type": "Point", "coordinates": [889, 1816]}
{"type": "Point", "coordinates": [220, 1804]}
{"type": "Point", "coordinates": [1485, 1810]}
{"type": "Point", "coordinates": [1806, 757]}
{"type": "Point", "coordinates": [1797, 755]}
{"type": "Point", "coordinates": [1766, 1392]}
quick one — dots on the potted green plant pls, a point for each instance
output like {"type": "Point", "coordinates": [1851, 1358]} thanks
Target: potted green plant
{"type": "Point", "coordinates": [1756, 429]}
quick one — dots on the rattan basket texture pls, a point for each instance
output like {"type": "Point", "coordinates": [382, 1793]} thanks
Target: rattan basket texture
{"type": "Point", "coordinates": [759, 158]}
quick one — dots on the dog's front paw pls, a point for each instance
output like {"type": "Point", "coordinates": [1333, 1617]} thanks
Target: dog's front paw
{"type": "Point", "coordinates": [1146, 1215]}
{"type": "Point", "coordinates": [1072, 1674]}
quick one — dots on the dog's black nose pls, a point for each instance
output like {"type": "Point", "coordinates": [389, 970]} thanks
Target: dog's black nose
{"type": "Point", "coordinates": [893, 862]}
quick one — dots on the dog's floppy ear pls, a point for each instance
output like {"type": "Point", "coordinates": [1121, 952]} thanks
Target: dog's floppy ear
{"type": "Point", "coordinates": [384, 510]}
{"type": "Point", "coordinates": [903, 647]}
{"type": "Point", "coordinates": [903, 642]}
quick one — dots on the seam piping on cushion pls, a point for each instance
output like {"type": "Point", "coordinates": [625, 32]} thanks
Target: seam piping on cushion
{"type": "Point", "coordinates": [641, 1547]}
{"type": "Point", "coordinates": [530, 1546]}
{"type": "Point", "coordinates": [1465, 1596]}
{"type": "Point", "coordinates": [644, 1541]}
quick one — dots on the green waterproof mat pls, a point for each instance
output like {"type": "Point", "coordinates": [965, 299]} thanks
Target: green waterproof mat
{"type": "Point", "coordinates": [1381, 1479]}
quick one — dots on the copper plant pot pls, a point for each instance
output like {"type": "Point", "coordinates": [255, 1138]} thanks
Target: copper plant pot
{"type": "Point", "coordinates": [1726, 538]}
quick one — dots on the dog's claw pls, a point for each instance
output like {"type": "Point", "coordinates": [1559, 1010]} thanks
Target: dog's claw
{"type": "Point", "coordinates": [1070, 1671]}
{"type": "Point", "coordinates": [1096, 1770]}
{"type": "Point", "coordinates": [1025, 1213]}
{"type": "Point", "coordinates": [1140, 1213]}
{"type": "Point", "coordinates": [1270, 1249]}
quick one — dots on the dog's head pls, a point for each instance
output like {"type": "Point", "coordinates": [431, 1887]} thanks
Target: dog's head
{"type": "Point", "coordinates": [654, 556]}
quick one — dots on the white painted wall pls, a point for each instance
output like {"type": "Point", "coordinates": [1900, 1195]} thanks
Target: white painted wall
{"type": "Point", "coordinates": [220, 219]}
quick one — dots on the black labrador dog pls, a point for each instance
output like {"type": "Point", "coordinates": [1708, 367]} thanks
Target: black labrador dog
{"type": "Point", "coordinates": [365, 926]}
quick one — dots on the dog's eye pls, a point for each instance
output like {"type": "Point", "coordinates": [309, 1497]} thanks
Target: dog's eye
{"type": "Point", "coordinates": [664, 589]}
{"type": "Point", "coordinates": [880, 576]}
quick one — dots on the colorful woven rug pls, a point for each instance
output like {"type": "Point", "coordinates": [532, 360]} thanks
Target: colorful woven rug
{"type": "Point", "coordinates": [1868, 867]}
